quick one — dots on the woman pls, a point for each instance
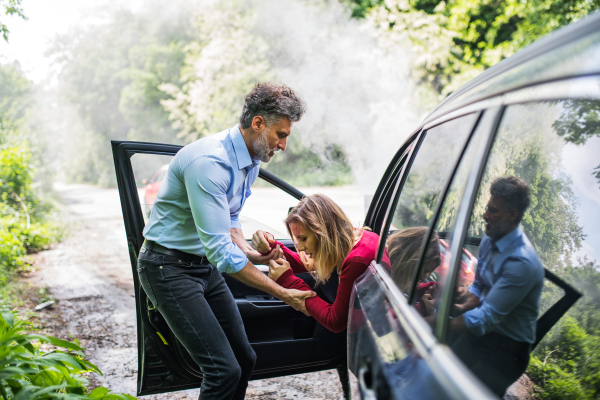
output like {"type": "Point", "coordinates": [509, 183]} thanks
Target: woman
{"type": "Point", "coordinates": [404, 249]}
{"type": "Point", "coordinates": [326, 245]}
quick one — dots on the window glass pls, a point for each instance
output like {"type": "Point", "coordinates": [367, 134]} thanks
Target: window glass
{"type": "Point", "coordinates": [432, 166]}
{"type": "Point", "coordinates": [434, 266]}
{"type": "Point", "coordinates": [265, 209]}
{"type": "Point", "coordinates": [148, 172]}
{"type": "Point", "coordinates": [553, 147]}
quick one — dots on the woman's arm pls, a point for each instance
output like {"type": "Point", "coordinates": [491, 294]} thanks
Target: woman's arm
{"type": "Point", "coordinates": [264, 242]}
{"type": "Point", "coordinates": [332, 316]}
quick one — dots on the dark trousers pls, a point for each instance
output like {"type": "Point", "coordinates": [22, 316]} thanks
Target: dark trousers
{"type": "Point", "coordinates": [497, 360]}
{"type": "Point", "coordinates": [201, 312]}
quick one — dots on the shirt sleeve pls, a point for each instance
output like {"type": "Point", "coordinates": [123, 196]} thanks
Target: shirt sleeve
{"type": "Point", "coordinates": [332, 316]}
{"type": "Point", "coordinates": [517, 279]}
{"type": "Point", "coordinates": [235, 221]}
{"type": "Point", "coordinates": [207, 180]}
{"type": "Point", "coordinates": [477, 288]}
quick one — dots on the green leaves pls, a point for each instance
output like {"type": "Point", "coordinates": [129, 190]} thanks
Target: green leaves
{"type": "Point", "coordinates": [457, 39]}
{"type": "Point", "coordinates": [28, 373]}
{"type": "Point", "coordinates": [11, 7]}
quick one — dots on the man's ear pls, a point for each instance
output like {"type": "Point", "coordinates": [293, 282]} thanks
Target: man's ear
{"type": "Point", "coordinates": [258, 124]}
{"type": "Point", "coordinates": [513, 215]}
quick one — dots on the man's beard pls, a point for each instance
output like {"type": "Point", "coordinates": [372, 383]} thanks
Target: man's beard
{"type": "Point", "coordinates": [261, 147]}
{"type": "Point", "coordinates": [498, 230]}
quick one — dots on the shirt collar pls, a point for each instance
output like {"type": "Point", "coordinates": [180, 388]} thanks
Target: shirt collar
{"type": "Point", "coordinates": [241, 150]}
{"type": "Point", "coordinates": [510, 237]}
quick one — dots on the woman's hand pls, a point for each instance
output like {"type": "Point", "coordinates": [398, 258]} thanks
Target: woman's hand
{"type": "Point", "coordinates": [429, 301]}
{"type": "Point", "coordinates": [262, 241]}
{"type": "Point", "coordinates": [277, 268]}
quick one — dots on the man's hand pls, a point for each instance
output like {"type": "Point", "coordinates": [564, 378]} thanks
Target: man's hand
{"type": "Point", "coordinates": [277, 268]}
{"type": "Point", "coordinates": [251, 276]}
{"type": "Point", "coordinates": [262, 241]}
{"type": "Point", "coordinates": [297, 299]}
{"type": "Point", "coordinates": [471, 303]}
{"type": "Point", "coordinates": [254, 256]}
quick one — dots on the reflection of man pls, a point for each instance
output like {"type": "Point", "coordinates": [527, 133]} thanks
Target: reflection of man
{"type": "Point", "coordinates": [501, 311]}
{"type": "Point", "coordinates": [194, 233]}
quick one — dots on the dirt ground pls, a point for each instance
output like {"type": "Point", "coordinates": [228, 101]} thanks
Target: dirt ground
{"type": "Point", "coordinates": [90, 277]}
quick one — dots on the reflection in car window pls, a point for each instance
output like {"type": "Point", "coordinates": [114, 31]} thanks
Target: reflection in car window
{"type": "Point", "coordinates": [431, 168]}
{"type": "Point", "coordinates": [149, 171]}
{"type": "Point", "coordinates": [553, 147]}
{"type": "Point", "coordinates": [433, 277]}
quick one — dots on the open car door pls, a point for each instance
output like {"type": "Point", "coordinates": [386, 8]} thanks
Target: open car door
{"type": "Point", "coordinates": [285, 341]}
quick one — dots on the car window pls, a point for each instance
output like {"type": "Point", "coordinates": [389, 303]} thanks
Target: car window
{"type": "Point", "coordinates": [147, 169]}
{"type": "Point", "coordinates": [554, 148]}
{"type": "Point", "coordinates": [430, 170]}
{"type": "Point", "coordinates": [265, 209]}
{"type": "Point", "coordinates": [386, 187]}
{"type": "Point", "coordinates": [432, 275]}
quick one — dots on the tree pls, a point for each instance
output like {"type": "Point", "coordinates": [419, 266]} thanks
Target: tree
{"type": "Point", "coordinates": [10, 7]}
{"type": "Point", "coordinates": [108, 85]}
{"type": "Point", "coordinates": [457, 39]}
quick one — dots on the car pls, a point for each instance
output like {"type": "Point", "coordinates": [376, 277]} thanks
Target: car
{"type": "Point", "coordinates": [534, 115]}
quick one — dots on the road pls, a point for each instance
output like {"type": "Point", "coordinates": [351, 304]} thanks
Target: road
{"type": "Point", "coordinates": [90, 276]}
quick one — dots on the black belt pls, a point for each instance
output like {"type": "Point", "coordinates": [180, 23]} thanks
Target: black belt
{"type": "Point", "coordinates": [187, 257]}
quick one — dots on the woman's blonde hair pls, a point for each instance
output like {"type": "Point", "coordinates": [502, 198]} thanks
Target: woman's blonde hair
{"type": "Point", "coordinates": [332, 228]}
{"type": "Point", "coordinates": [403, 249]}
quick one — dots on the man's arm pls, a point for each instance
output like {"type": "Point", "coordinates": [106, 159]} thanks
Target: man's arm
{"type": "Point", "coordinates": [252, 276]}
{"type": "Point", "coordinates": [518, 277]}
{"type": "Point", "coordinates": [471, 303]}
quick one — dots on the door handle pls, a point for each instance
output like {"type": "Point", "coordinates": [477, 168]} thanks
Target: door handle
{"type": "Point", "coordinates": [365, 381]}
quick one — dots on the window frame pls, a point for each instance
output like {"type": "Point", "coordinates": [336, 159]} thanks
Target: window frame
{"type": "Point", "coordinates": [384, 232]}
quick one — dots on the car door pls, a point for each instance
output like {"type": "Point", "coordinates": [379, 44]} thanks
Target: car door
{"type": "Point", "coordinates": [398, 355]}
{"type": "Point", "coordinates": [285, 341]}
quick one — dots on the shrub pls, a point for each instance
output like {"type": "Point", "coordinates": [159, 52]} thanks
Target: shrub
{"type": "Point", "coordinates": [28, 373]}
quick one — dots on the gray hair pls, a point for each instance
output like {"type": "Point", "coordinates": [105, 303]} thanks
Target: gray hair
{"type": "Point", "coordinates": [515, 193]}
{"type": "Point", "coordinates": [272, 102]}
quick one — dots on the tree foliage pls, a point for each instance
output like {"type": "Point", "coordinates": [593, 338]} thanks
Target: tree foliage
{"type": "Point", "coordinates": [109, 77]}
{"type": "Point", "coordinates": [10, 7]}
{"type": "Point", "coordinates": [25, 223]}
{"type": "Point", "coordinates": [455, 40]}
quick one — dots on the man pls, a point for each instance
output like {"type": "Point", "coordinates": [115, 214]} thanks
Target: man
{"type": "Point", "coordinates": [194, 233]}
{"type": "Point", "coordinates": [501, 310]}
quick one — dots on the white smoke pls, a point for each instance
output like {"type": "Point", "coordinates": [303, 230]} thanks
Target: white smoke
{"type": "Point", "coordinates": [357, 87]}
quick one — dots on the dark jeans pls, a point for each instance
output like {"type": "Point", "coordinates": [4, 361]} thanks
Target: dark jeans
{"type": "Point", "coordinates": [201, 312]}
{"type": "Point", "coordinates": [497, 360]}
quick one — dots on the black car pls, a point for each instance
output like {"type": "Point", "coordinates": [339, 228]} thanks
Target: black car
{"type": "Point", "coordinates": [535, 116]}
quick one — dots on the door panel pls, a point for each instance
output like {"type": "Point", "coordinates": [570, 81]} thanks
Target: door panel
{"type": "Point", "coordinates": [285, 341]}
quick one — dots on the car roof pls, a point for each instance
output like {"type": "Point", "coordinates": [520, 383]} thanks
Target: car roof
{"type": "Point", "coordinates": [569, 52]}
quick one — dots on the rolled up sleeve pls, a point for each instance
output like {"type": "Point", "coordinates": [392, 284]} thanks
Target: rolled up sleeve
{"type": "Point", "coordinates": [207, 180]}
{"type": "Point", "coordinates": [518, 277]}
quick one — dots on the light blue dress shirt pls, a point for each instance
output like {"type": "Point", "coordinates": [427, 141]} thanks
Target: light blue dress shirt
{"type": "Point", "coordinates": [201, 197]}
{"type": "Point", "coordinates": [508, 281]}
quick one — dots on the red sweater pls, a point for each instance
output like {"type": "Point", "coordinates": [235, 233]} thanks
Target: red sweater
{"type": "Point", "coordinates": [333, 316]}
